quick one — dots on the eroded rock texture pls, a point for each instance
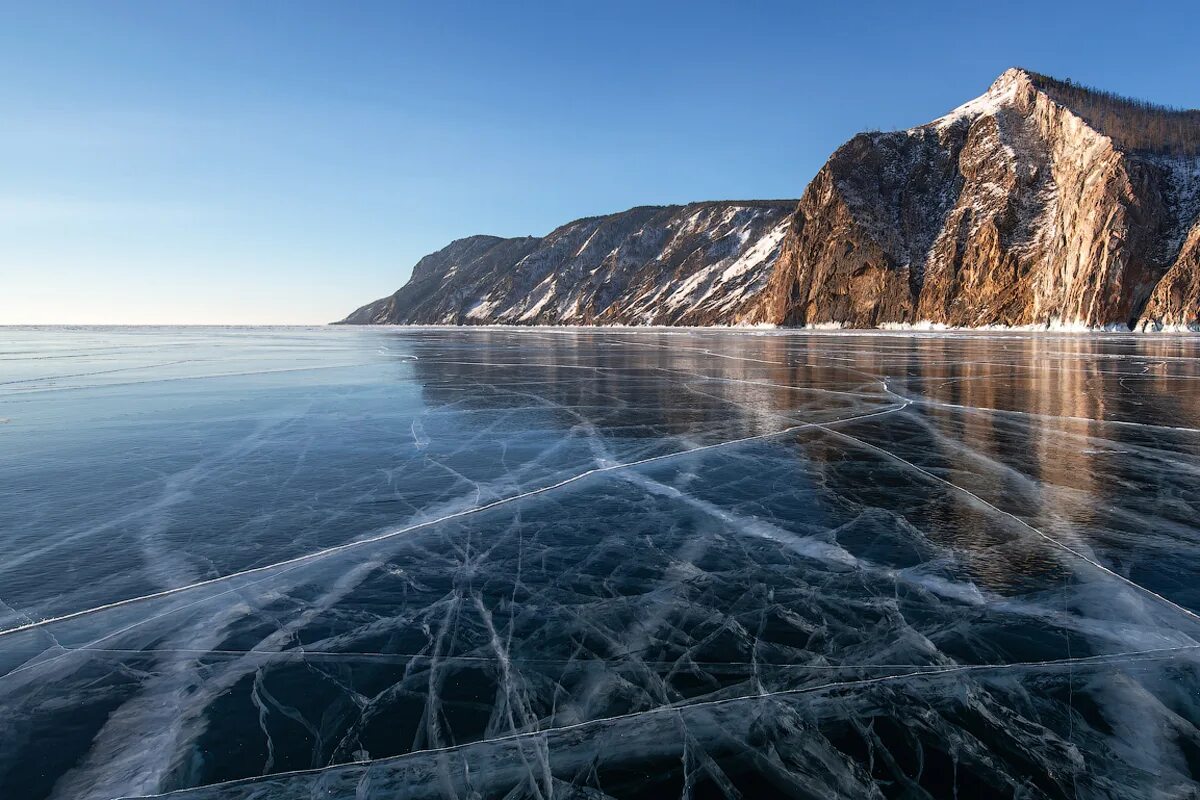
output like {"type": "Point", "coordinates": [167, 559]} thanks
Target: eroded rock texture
{"type": "Point", "coordinates": [1175, 302]}
{"type": "Point", "coordinates": [1038, 204]}
{"type": "Point", "coordinates": [1011, 210]}
{"type": "Point", "coordinates": [699, 264]}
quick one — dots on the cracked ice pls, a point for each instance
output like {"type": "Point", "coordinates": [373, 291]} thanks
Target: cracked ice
{"type": "Point", "coordinates": [456, 563]}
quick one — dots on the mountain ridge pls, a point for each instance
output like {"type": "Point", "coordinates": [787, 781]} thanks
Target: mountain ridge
{"type": "Point", "coordinates": [1012, 210]}
{"type": "Point", "coordinates": [687, 264]}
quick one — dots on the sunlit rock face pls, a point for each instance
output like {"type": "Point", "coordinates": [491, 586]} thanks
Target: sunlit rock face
{"type": "Point", "coordinates": [1039, 204]}
{"type": "Point", "coordinates": [699, 264]}
{"type": "Point", "coordinates": [1014, 209]}
{"type": "Point", "coordinates": [1175, 303]}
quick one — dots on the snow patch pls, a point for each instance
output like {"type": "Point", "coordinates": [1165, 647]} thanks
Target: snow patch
{"type": "Point", "coordinates": [537, 307]}
{"type": "Point", "coordinates": [1174, 327]}
{"type": "Point", "coordinates": [1001, 93]}
{"type": "Point", "coordinates": [763, 249]}
{"type": "Point", "coordinates": [1055, 324]}
{"type": "Point", "coordinates": [482, 308]}
{"type": "Point", "coordinates": [588, 241]}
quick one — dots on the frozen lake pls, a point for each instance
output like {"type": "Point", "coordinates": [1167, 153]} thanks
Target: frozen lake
{"type": "Point", "coordinates": [346, 562]}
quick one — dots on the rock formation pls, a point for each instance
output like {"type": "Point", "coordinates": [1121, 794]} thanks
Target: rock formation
{"type": "Point", "coordinates": [699, 264]}
{"type": "Point", "coordinates": [1039, 204]}
{"type": "Point", "coordinates": [1011, 210]}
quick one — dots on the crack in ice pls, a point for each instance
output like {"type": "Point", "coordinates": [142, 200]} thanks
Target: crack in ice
{"type": "Point", "coordinates": [956, 669]}
{"type": "Point", "coordinates": [309, 557]}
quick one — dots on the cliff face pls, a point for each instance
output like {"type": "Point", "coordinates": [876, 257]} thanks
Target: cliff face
{"type": "Point", "coordinates": [1011, 210]}
{"type": "Point", "coordinates": [1037, 204]}
{"type": "Point", "coordinates": [1175, 302]}
{"type": "Point", "coordinates": [699, 264]}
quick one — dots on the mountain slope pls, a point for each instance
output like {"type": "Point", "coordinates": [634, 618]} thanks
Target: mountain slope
{"type": "Point", "coordinates": [699, 264]}
{"type": "Point", "coordinates": [1040, 203]}
{"type": "Point", "coordinates": [1011, 210]}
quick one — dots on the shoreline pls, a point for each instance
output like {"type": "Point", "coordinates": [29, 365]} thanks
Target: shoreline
{"type": "Point", "coordinates": [892, 329]}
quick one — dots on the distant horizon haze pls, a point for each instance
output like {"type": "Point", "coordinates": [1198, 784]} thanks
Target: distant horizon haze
{"type": "Point", "coordinates": [284, 163]}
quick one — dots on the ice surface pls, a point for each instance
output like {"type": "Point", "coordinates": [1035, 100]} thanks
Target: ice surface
{"type": "Point", "coordinates": [568, 563]}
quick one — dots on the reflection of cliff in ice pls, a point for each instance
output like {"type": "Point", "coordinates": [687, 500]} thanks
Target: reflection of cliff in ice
{"type": "Point", "coordinates": [704, 565]}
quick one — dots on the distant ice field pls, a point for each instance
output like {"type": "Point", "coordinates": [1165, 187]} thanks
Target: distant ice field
{"type": "Point", "coordinates": [280, 563]}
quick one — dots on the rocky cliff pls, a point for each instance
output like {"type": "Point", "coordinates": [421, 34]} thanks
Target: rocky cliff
{"type": "Point", "coordinates": [1039, 204]}
{"type": "Point", "coordinates": [698, 264]}
{"type": "Point", "coordinates": [1013, 210]}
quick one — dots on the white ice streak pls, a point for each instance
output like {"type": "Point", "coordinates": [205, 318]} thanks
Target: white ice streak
{"type": "Point", "coordinates": [686, 707]}
{"type": "Point", "coordinates": [308, 557]}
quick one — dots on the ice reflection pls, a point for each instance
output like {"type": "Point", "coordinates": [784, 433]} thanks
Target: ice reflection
{"type": "Point", "coordinates": [535, 563]}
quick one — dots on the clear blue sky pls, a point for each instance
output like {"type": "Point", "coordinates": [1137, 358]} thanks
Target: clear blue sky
{"type": "Point", "coordinates": [285, 162]}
